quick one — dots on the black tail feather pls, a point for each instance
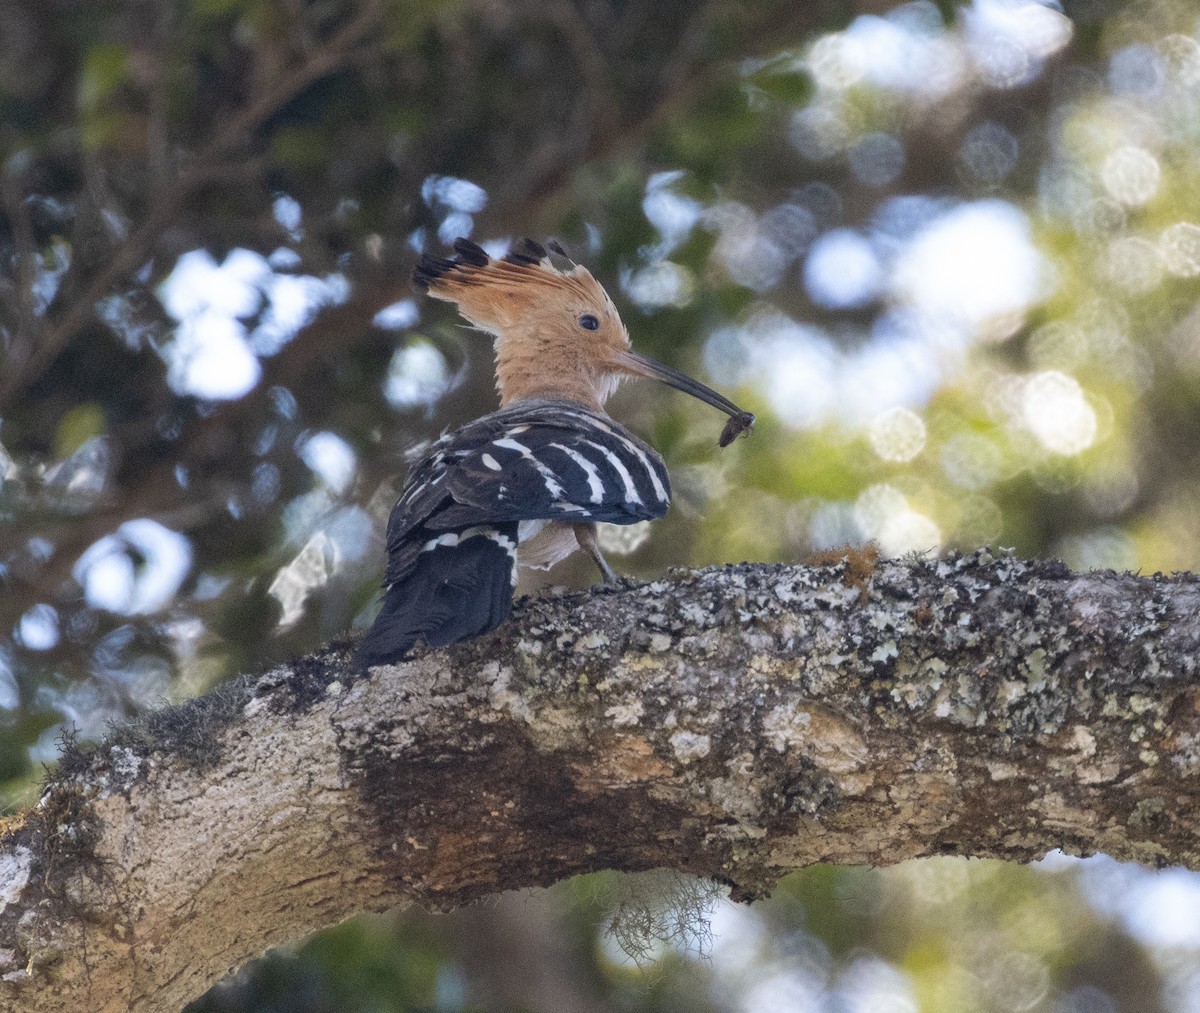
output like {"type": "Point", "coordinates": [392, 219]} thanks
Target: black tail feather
{"type": "Point", "coordinates": [453, 592]}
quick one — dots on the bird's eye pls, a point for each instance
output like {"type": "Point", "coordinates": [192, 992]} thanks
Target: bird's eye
{"type": "Point", "coordinates": [589, 323]}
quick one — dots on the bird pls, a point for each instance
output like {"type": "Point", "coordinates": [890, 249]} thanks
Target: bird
{"type": "Point", "coordinates": [527, 484]}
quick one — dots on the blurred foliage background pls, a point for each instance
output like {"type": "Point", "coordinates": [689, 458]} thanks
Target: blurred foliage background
{"type": "Point", "coordinates": [947, 251]}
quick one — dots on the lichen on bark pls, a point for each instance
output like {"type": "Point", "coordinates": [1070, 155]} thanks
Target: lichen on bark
{"type": "Point", "coordinates": [735, 723]}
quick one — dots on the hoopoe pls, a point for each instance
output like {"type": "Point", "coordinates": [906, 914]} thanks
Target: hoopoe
{"type": "Point", "coordinates": [525, 485]}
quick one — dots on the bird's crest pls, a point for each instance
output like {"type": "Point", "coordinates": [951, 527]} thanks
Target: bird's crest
{"type": "Point", "coordinates": [558, 334]}
{"type": "Point", "coordinates": [496, 293]}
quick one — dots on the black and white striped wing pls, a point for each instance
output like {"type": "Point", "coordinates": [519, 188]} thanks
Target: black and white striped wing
{"type": "Point", "coordinates": [548, 461]}
{"type": "Point", "coordinates": [567, 466]}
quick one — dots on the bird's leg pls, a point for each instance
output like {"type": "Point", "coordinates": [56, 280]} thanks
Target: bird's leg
{"type": "Point", "coordinates": [585, 535]}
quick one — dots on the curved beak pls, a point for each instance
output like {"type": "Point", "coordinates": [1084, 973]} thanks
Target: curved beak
{"type": "Point", "coordinates": [740, 422]}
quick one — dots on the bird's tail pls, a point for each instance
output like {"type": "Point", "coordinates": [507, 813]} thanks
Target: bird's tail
{"type": "Point", "coordinates": [460, 586]}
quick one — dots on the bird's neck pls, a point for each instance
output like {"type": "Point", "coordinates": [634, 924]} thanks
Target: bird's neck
{"type": "Point", "coordinates": [522, 375]}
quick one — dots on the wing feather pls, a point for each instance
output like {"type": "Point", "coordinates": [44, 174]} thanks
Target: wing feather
{"type": "Point", "coordinates": [540, 461]}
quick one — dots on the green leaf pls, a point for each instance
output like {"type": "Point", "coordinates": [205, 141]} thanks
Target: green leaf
{"type": "Point", "coordinates": [78, 426]}
{"type": "Point", "coordinates": [105, 69]}
{"type": "Point", "coordinates": [789, 86]}
{"type": "Point", "coordinates": [300, 147]}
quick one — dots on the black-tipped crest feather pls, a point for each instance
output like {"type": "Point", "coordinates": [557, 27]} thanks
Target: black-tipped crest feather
{"type": "Point", "coordinates": [526, 252]}
{"type": "Point", "coordinates": [471, 253]}
{"type": "Point", "coordinates": [429, 269]}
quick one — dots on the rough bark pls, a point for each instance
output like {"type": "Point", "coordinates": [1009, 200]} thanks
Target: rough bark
{"type": "Point", "coordinates": [736, 723]}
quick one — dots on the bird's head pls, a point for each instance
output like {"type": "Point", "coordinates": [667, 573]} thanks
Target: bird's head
{"type": "Point", "coordinates": [557, 332]}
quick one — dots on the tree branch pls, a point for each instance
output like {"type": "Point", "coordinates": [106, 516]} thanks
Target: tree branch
{"type": "Point", "coordinates": [735, 723]}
